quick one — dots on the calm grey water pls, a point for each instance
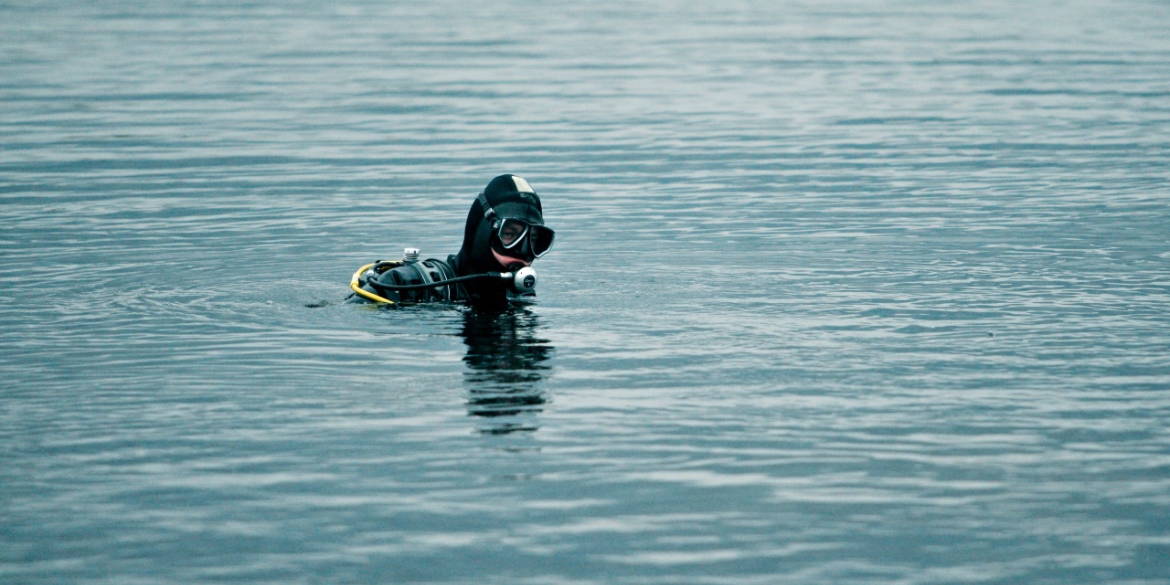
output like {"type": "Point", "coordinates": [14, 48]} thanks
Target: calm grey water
{"type": "Point", "coordinates": [868, 292]}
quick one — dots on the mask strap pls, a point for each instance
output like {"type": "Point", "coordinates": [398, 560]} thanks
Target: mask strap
{"type": "Point", "coordinates": [488, 212]}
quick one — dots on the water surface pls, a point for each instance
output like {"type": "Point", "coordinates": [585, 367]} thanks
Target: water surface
{"type": "Point", "coordinates": [861, 293]}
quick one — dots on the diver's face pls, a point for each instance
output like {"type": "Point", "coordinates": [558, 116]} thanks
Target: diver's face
{"type": "Point", "coordinates": [511, 242]}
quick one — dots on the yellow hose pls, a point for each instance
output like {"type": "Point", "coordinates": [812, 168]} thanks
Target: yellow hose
{"type": "Point", "coordinates": [365, 294]}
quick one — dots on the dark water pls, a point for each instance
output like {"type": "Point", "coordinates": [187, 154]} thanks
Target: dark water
{"type": "Point", "coordinates": [867, 292]}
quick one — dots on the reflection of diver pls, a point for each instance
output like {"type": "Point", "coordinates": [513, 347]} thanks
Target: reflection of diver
{"type": "Point", "coordinates": [506, 360]}
{"type": "Point", "coordinates": [504, 234]}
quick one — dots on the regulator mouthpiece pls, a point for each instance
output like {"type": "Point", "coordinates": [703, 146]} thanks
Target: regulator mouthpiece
{"type": "Point", "coordinates": [522, 281]}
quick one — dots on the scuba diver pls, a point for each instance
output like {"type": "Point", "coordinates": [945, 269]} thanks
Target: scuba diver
{"type": "Point", "coordinates": [504, 234]}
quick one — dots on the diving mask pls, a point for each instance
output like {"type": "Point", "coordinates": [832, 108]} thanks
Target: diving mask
{"type": "Point", "coordinates": [512, 232]}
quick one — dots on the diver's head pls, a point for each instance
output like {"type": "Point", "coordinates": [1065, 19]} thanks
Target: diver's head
{"type": "Point", "coordinates": [505, 227]}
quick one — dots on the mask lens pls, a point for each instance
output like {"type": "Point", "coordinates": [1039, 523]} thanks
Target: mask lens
{"type": "Point", "coordinates": [511, 232]}
{"type": "Point", "coordinates": [542, 239]}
